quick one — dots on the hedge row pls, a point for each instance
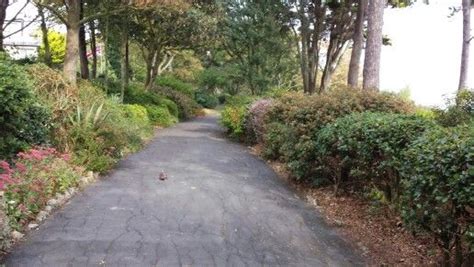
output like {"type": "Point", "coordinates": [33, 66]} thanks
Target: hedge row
{"type": "Point", "coordinates": [374, 142]}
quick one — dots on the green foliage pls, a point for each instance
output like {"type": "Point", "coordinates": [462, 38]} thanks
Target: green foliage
{"type": "Point", "coordinates": [186, 66]}
{"type": "Point", "coordinates": [366, 147]}
{"type": "Point", "coordinates": [460, 110]}
{"type": "Point", "coordinates": [57, 46]}
{"type": "Point", "coordinates": [260, 48]}
{"type": "Point", "coordinates": [233, 118]}
{"type": "Point", "coordinates": [160, 116]}
{"type": "Point", "coordinates": [206, 100]}
{"type": "Point", "coordinates": [187, 107]}
{"type": "Point", "coordinates": [305, 115]}
{"type": "Point", "coordinates": [135, 94]}
{"type": "Point", "coordinates": [220, 78]}
{"type": "Point", "coordinates": [276, 140]}
{"type": "Point", "coordinates": [171, 106]}
{"type": "Point", "coordinates": [175, 84]}
{"type": "Point", "coordinates": [136, 113]}
{"type": "Point", "coordinates": [234, 114]}
{"type": "Point", "coordinates": [23, 121]}
{"type": "Point", "coordinates": [439, 185]}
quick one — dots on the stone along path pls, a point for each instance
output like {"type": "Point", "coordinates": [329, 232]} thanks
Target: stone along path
{"type": "Point", "coordinates": [220, 206]}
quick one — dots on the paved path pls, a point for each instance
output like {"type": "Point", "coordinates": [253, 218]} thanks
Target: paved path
{"type": "Point", "coordinates": [220, 206]}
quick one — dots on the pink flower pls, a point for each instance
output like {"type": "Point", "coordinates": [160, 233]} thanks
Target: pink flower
{"type": "Point", "coordinates": [6, 179]}
{"type": "Point", "coordinates": [23, 155]}
{"type": "Point", "coordinates": [21, 167]}
{"type": "Point", "coordinates": [66, 157]}
{"type": "Point", "coordinates": [5, 167]}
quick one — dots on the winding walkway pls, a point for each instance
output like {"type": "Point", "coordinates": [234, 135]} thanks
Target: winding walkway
{"type": "Point", "coordinates": [220, 206]}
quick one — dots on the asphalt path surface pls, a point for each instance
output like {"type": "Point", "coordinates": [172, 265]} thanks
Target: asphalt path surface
{"type": "Point", "coordinates": [220, 206]}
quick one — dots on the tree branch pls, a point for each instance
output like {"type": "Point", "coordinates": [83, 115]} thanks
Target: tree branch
{"type": "Point", "coordinates": [22, 28]}
{"type": "Point", "coordinates": [100, 14]}
{"type": "Point", "coordinates": [16, 15]}
{"type": "Point", "coordinates": [54, 11]}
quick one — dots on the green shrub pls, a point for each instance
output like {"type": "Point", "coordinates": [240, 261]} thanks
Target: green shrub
{"type": "Point", "coordinates": [23, 121]}
{"type": "Point", "coordinates": [136, 94]}
{"type": "Point", "coordinates": [460, 110]}
{"type": "Point", "coordinates": [137, 114]}
{"type": "Point", "coordinates": [438, 173]}
{"type": "Point", "coordinates": [171, 106]}
{"type": "Point", "coordinates": [187, 107]}
{"type": "Point", "coordinates": [223, 98]}
{"type": "Point", "coordinates": [276, 138]}
{"type": "Point", "coordinates": [160, 116]}
{"type": "Point", "coordinates": [239, 100]}
{"type": "Point", "coordinates": [206, 100]}
{"type": "Point", "coordinates": [175, 84]}
{"type": "Point", "coordinates": [365, 147]}
{"type": "Point", "coordinates": [305, 115]}
{"type": "Point", "coordinates": [233, 118]}
{"type": "Point", "coordinates": [104, 133]}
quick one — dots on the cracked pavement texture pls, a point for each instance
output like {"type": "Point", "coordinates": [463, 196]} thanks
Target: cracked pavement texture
{"type": "Point", "coordinates": [221, 206]}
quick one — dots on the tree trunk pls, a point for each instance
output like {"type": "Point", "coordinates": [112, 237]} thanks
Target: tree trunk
{"type": "Point", "coordinates": [44, 31]}
{"type": "Point", "coordinates": [106, 53]}
{"type": "Point", "coordinates": [373, 48]}
{"type": "Point", "coordinates": [154, 70]}
{"type": "Point", "coordinates": [93, 50]}
{"type": "Point", "coordinates": [72, 41]}
{"type": "Point", "coordinates": [358, 41]}
{"type": "Point", "coordinates": [310, 37]}
{"type": "Point", "coordinates": [333, 59]}
{"type": "Point", "coordinates": [124, 62]}
{"type": "Point", "coordinates": [466, 38]}
{"type": "Point", "coordinates": [151, 60]}
{"type": "Point", "coordinates": [83, 48]}
{"type": "Point", "coordinates": [3, 13]}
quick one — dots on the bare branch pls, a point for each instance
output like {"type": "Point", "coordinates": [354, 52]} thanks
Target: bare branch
{"type": "Point", "coordinates": [16, 15]}
{"type": "Point", "coordinates": [22, 28]}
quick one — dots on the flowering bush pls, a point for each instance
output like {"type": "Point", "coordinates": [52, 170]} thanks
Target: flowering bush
{"type": "Point", "coordinates": [33, 178]}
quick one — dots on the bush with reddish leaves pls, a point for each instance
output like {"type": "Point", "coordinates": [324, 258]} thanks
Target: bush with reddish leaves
{"type": "Point", "coordinates": [255, 120]}
{"type": "Point", "coordinates": [32, 179]}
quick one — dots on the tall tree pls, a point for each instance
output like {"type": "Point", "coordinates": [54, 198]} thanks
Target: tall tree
{"type": "Point", "coordinates": [466, 40]}
{"type": "Point", "coordinates": [124, 59]}
{"type": "Point", "coordinates": [310, 16]}
{"type": "Point", "coordinates": [340, 22]}
{"type": "Point", "coordinates": [357, 45]}
{"type": "Point", "coordinates": [373, 48]}
{"type": "Point", "coordinates": [322, 26]}
{"type": "Point", "coordinates": [257, 39]}
{"type": "Point", "coordinates": [83, 47]}
{"type": "Point", "coordinates": [93, 47]}
{"type": "Point", "coordinates": [161, 30]}
{"type": "Point", "coordinates": [69, 13]}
